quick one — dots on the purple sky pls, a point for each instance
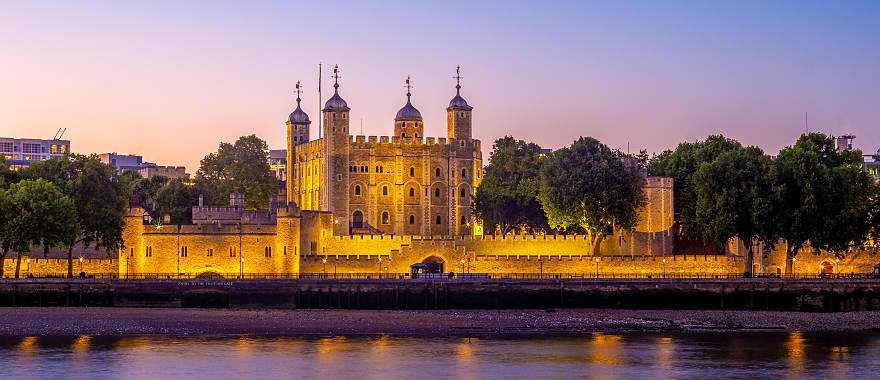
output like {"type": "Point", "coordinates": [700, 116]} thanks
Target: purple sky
{"type": "Point", "coordinates": [170, 80]}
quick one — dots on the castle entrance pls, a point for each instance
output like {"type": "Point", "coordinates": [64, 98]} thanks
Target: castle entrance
{"type": "Point", "coordinates": [432, 264]}
{"type": "Point", "coordinates": [357, 219]}
{"type": "Point", "coordinates": [827, 268]}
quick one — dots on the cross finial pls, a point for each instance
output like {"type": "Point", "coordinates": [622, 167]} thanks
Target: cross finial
{"type": "Point", "coordinates": [298, 92]}
{"type": "Point", "coordinates": [336, 78]}
{"type": "Point", "coordinates": [408, 86]}
{"type": "Point", "coordinates": [457, 79]}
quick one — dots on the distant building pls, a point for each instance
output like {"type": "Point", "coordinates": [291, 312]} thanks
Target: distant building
{"type": "Point", "coordinates": [135, 163]}
{"type": "Point", "coordinates": [278, 163]}
{"type": "Point", "coordinates": [872, 164]}
{"type": "Point", "coordinates": [844, 142]}
{"type": "Point", "coordinates": [20, 152]}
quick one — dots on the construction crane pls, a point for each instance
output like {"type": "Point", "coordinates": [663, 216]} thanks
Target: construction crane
{"type": "Point", "coordinates": [59, 133]}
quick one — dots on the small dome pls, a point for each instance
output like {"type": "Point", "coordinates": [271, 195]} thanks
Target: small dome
{"type": "Point", "coordinates": [408, 112]}
{"type": "Point", "coordinates": [459, 103]}
{"type": "Point", "coordinates": [298, 116]}
{"type": "Point", "coordinates": [336, 104]}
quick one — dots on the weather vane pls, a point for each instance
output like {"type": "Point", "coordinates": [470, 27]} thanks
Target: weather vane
{"type": "Point", "coordinates": [408, 86]}
{"type": "Point", "coordinates": [457, 78]}
{"type": "Point", "coordinates": [298, 91]}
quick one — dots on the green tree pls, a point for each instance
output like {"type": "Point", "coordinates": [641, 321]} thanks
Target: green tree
{"type": "Point", "coordinates": [681, 165]}
{"type": "Point", "coordinates": [7, 175]}
{"type": "Point", "coordinates": [42, 217]}
{"type": "Point", "coordinates": [7, 238]}
{"type": "Point", "coordinates": [176, 200]}
{"type": "Point", "coordinates": [507, 198]}
{"type": "Point", "coordinates": [99, 197]}
{"type": "Point", "coordinates": [734, 198]}
{"type": "Point", "coordinates": [875, 221]}
{"type": "Point", "coordinates": [589, 185]}
{"type": "Point", "coordinates": [145, 192]}
{"type": "Point", "coordinates": [822, 195]}
{"type": "Point", "coordinates": [242, 167]}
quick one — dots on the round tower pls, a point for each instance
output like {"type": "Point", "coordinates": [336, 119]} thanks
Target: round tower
{"type": "Point", "coordinates": [409, 123]}
{"type": "Point", "coordinates": [297, 133]}
{"type": "Point", "coordinates": [337, 143]}
{"type": "Point", "coordinates": [458, 114]}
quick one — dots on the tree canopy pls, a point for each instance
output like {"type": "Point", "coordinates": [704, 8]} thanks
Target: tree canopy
{"type": "Point", "coordinates": [242, 167]}
{"type": "Point", "coordinates": [589, 185]}
{"type": "Point", "coordinates": [42, 216]}
{"type": "Point", "coordinates": [681, 165]}
{"type": "Point", "coordinates": [507, 198]}
{"type": "Point", "coordinates": [734, 198]}
{"type": "Point", "coordinates": [7, 176]}
{"type": "Point", "coordinates": [99, 198]}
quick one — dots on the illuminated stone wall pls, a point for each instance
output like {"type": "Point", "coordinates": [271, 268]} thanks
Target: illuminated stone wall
{"type": "Point", "coordinates": [41, 267]}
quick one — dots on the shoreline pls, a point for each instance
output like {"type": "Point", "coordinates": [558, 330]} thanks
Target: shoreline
{"type": "Point", "coordinates": [59, 321]}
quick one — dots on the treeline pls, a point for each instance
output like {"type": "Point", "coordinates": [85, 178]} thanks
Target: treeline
{"type": "Point", "coordinates": [811, 195]}
{"type": "Point", "coordinates": [77, 200]}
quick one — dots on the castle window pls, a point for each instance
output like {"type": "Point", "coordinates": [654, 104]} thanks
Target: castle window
{"type": "Point", "coordinates": [339, 177]}
{"type": "Point", "coordinates": [267, 252]}
{"type": "Point", "coordinates": [149, 252]}
{"type": "Point", "coordinates": [385, 190]}
{"type": "Point", "coordinates": [357, 189]}
{"type": "Point", "coordinates": [463, 173]}
{"type": "Point", "coordinates": [131, 253]}
{"type": "Point", "coordinates": [412, 171]}
{"type": "Point", "coordinates": [313, 246]}
{"type": "Point", "coordinates": [231, 251]}
{"type": "Point", "coordinates": [386, 219]}
{"type": "Point", "coordinates": [412, 219]}
{"type": "Point", "coordinates": [460, 142]}
{"type": "Point", "coordinates": [412, 192]}
{"type": "Point", "coordinates": [436, 172]}
{"type": "Point", "coordinates": [437, 192]}
{"type": "Point", "coordinates": [462, 193]}
{"type": "Point", "coordinates": [438, 220]}
{"type": "Point", "coordinates": [285, 250]}
{"type": "Point", "coordinates": [183, 251]}
{"type": "Point", "coordinates": [210, 252]}
{"type": "Point", "coordinates": [463, 220]}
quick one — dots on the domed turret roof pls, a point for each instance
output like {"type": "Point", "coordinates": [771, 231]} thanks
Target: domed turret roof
{"type": "Point", "coordinates": [336, 104]}
{"type": "Point", "coordinates": [298, 116]}
{"type": "Point", "coordinates": [458, 103]}
{"type": "Point", "coordinates": [408, 112]}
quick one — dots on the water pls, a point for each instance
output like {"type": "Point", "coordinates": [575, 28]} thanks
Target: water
{"type": "Point", "coordinates": [695, 356]}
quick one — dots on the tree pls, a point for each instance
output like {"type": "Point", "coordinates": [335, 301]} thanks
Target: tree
{"type": "Point", "coordinates": [176, 200]}
{"type": "Point", "coordinates": [589, 185]}
{"type": "Point", "coordinates": [874, 235]}
{"type": "Point", "coordinates": [7, 175]}
{"type": "Point", "coordinates": [242, 167]}
{"type": "Point", "coordinates": [42, 217]}
{"type": "Point", "coordinates": [822, 193]}
{"type": "Point", "coordinates": [98, 196]}
{"type": "Point", "coordinates": [734, 199]}
{"type": "Point", "coordinates": [145, 192]}
{"type": "Point", "coordinates": [681, 165]}
{"type": "Point", "coordinates": [507, 198]}
{"type": "Point", "coordinates": [6, 236]}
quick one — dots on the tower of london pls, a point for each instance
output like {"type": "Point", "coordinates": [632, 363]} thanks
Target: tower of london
{"type": "Point", "coordinates": [405, 184]}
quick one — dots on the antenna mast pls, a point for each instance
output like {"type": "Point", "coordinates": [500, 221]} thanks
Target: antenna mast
{"type": "Point", "coordinates": [320, 101]}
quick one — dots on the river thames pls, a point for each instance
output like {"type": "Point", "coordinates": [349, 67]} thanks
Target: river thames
{"type": "Point", "coordinates": [598, 355]}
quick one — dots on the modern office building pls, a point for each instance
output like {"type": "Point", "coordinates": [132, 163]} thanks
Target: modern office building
{"type": "Point", "coordinates": [20, 152]}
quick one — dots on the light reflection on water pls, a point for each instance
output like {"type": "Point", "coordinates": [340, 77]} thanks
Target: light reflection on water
{"type": "Point", "coordinates": [600, 355]}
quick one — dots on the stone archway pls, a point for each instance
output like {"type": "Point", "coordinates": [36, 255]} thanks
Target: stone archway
{"type": "Point", "coordinates": [431, 264]}
{"type": "Point", "coordinates": [209, 274]}
{"type": "Point", "coordinates": [827, 268]}
{"type": "Point", "coordinates": [357, 219]}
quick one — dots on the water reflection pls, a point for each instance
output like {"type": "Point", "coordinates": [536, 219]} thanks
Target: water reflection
{"type": "Point", "coordinates": [602, 355]}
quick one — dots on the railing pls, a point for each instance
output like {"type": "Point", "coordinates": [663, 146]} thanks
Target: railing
{"type": "Point", "coordinates": [368, 276]}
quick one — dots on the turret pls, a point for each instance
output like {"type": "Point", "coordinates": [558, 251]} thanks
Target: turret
{"type": "Point", "coordinates": [297, 133]}
{"type": "Point", "coordinates": [458, 114]}
{"type": "Point", "coordinates": [337, 146]}
{"type": "Point", "coordinates": [408, 123]}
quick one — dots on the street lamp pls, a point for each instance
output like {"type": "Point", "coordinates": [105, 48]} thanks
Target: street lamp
{"type": "Point", "coordinates": [241, 268]}
{"type": "Point", "coordinates": [597, 267]}
{"type": "Point", "coordinates": [324, 262]}
{"type": "Point", "coordinates": [837, 264]}
{"type": "Point", "coordinates": [664, 268]}
{"type": "Point", "coordinates": [462, 266]}
{"type": "Point", "coordinates": [81, 265]}
{"type": "Point", "coordinates": [28, 261]}
{"type": "Point", "coordinates": [793, 259]}
{"type": "Point", "coordinates": [380, 266]}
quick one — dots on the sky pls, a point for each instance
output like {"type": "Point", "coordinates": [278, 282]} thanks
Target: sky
{"type": "Point", "coordinates": [170, 80]}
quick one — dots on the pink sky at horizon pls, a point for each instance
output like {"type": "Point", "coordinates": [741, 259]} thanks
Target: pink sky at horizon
{"type": "Point", "coordinates": [171, 80]}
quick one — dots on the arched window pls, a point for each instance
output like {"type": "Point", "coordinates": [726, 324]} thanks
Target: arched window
{"type": "Point", "coordinates": [412, 192]}
{"type": "Point", "coordinates": [463, 173]}
{"type": "Point", "coordinates": [357, 189]}
{"type": "Point", "coordinates": [463, 220]}
{"type": "Point", "coordinates": [436, 172]}
{"type": "Point", "coordinates": [461, 193]}
{"type": "Point", "coordinates": [385, 190]}
{"type": "Point", "coordinates": [437, 192]}
{"type": "Point", "coordinates": [412, 219]}
{"type": "Point", "coordinates": [412, 171]}
{"type": "Point", "coordinates": [386, 219]}
{"type": "Point", "coordinates": [438, 220]}
{"type": "Point", "coordinates": [357, 219]}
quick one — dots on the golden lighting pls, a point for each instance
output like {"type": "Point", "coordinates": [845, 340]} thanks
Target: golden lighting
{"type": "Point", "coordinates": [665, 352]}
{"type": "Point", "coordinates": [606, 349]}
{"type": "Point", "coordinates": [82, 344]}
{"type": "Point", "coordinates": [28, 346]}
{"type": "Point", "coordinates": [466, 349]}
{"type": "Point", "coordinates": [795, 351]}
